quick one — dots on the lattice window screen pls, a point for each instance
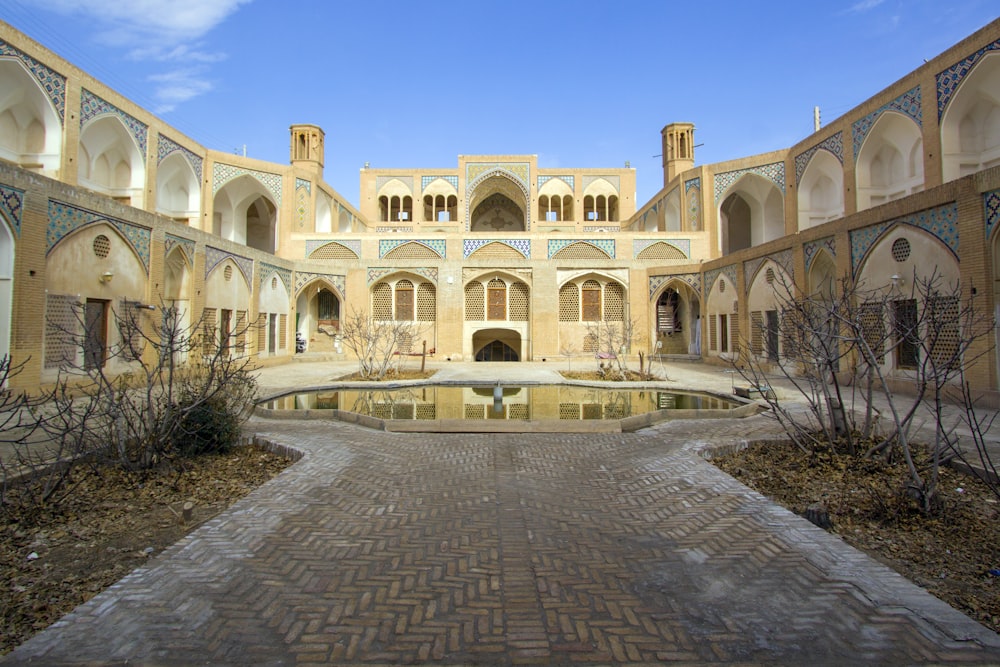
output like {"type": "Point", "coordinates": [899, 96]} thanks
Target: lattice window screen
{"type": "Point", "coordinates": [209, 332]}
{"type": "Point", "coordinates": [569, 303]}
{"type": "Point", "coordinates": [518, 411]}
{"type": "Point", "coordinates": [129, 321]}
{"type": "Point", "coordinates": [282, 330]}
{"type": "Point", "coordinates": [757, 333]}
{"type": "Point", "coordinates": [426, 302]}
{"type": "Point", "coordinates": [518, 302]}
{"type": "Point", "coordinates": [261, 332]}
{"type": "Point", "coordinates": [475, 411]}
{"type": "Point", "coordinates": [734, 334]}
{"type": "Point", "coordinates": [614, 303]}
{"type": "Point", "coordinates": [872, 320]}
{"type": "Point", "coordinates": [590, 343]}
{"type": "Point", "coordinates": [241, 332]}
{"type": "Point", "coordinates": [382, 302]}
{"type": "Point", "coordinates": [62, 329]}
{"type": "Point", "coordinates": [713, 333]}
{"type": "Point", "coordinates": [569, 411]}
{"type": "Point", "coordinates": [944, 334]}
{"type": "Point", "coordinates": [475, 302]}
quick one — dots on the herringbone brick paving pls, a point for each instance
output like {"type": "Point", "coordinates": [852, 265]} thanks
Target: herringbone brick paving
{"type": "Point", "coordinates": [382, 548]}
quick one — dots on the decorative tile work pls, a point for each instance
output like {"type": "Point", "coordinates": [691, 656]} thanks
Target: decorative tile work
{"type": "Point", "coordinates": [284, 274]}
{"type": "Point", "coordinates": [12, 202]}
{"type": "Point", "coordinates": [782, 258]}
{"type": "Point", "coordinates": [606, 246]}
{"type": "Point", "coordinates": [430, 273]}
{"type": "Point", "coordinates": [834, 144]}
{"type": "Point", "coordinates": [303, 183]}
{"type": "Point", "coordinates": [774, 172]}
{"type": "Point", "coordinates": [437, 245]}
{"type": "Point", "coordinates": [991, 202]}
{"type": "Point", "coordinates": [223, 173]}
{"type": "Point", "coordinates": [53, 83]}
{"type": "Point", "coordinates": [65, 218]}
{"type": "Point", "coordinates": [213, 256]}
{"type": "Point", "coordinates": [638, 245]}
{"type": "Point", "coordinates": [713, 275]}
{"type": "Point", "coordinates": [942, 222]}
{"type": "Point", "coordinates": [523, 246]}
{"type": "Point", "coordinates": [407, 181]}
{"type": "Point", "coordinates": [187, 245]}
{"type": "Point", "coordinates": [312, 245]}
{"type": "Point", "coordinates": [908, 104]}
{"type": "Point", "coordinates": [92, 106]}
{"type": "Point", "coordinates": [948, 80]}
{"type": "Point", "coordinates": [692, 279]}
{"type": "Point", "coordinates": [392, 229]}
{"type": "Point", "coordinates": [603, 228]}
{"type": "Point", "coordinates": [694, 208]}
{"type": "Point", "coordinates": [812, 247]}
{"type": "Point", "coordinates": [303, 278]}
{"type": "Point", "coordinates": [425, 181]}
{"type": "Point", "coordinates": [693, 183]}
{"type": "Point", "coordinates": [615, 181]}
{"type": "Point", "coordinates": [568, 180]}
{"type": "Point", "coordinates": [165, 147]}
{"type": "Point", "coordinates": [520, 171]}
{"type": "Point", "coordinates": [490, 171]}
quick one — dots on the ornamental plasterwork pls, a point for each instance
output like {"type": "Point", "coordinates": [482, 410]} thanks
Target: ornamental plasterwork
{"type": "Point", "coordinates": [223, 173]}
{"type": "Point", "coordinates": [713, 275]}
{"type": "Point", "coordinates": [991, 202]}
{"type": "Point", "coordinates": [907, 104]}
{"type": "Point", "coordinates": [782, 258]}
{"type": "Point", "coordinates": [167, 146]}
{"type": "Point", "coordinates": [523, 246]}
{"type": "Point", "coordinates": [568, 180]}
{"type": "Point", "coordinates": [614, 181]}
{"type": "Point", "coordinates": [53, 83]}
{"type": "Point", "coordinates": [774, 172]}
{"type": "Point", "coordinates": [65, 219]}
{"type": "Point", "coordinates": [375, 273]}
{"type": "Point", "coordinates": [312, 245]}
{"type": "Point", "coordinates": [607, 246]}
{"type": "Point", "coordinates": [284, 274]}
{"type": "Point", "coordinates": [811, 248]}
{"type": "Point", "coordinates": [303, 278]}
{"type": "Point", "coordinates": [386, 245]}
{"type": "Point", "coordinates": [187, 245]}
{"type": "Point", "coordinates": [519, 170]}
{"type": "Point", "coordinates": [92, 106]}
{"type": "Point", "coordinates": [693, 183]}
{"type": "Point", "coordinates": [683, 245]}
{"type": "Point", "coordinates": [214, 256]}
{"type": "Point", "coordinates": [833, 144]}
{"type": "Point", "coordinates": [949, 79]}
{"type": "Point", "coordinates": [303, 183]}
{"type": "Point", "coordinates": [405, 181]}
{"type": "Point", "coordinates": [425, 181]}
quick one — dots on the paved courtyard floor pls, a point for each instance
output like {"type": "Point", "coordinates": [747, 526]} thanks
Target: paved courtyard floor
{"type": "Point", "coordinates": [389, 548]}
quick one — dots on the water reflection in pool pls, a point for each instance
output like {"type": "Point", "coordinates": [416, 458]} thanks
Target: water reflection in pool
{"type": "Point", "coordinates": [507, 403]}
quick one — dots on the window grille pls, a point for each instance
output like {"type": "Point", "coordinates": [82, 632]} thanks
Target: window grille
{"type": "Point", "coordinates": [209, 335]}
{"type": "Point", "coordinates": [62, 329]}
{"type": "Point", "coordinates": [944, 339]}
{"type": "Point", "coordinates": [475, 300]}
{"type": "Point", "coordinates": [871, 319]}
{"type": "Point", "coordinates": [426, 302]}
{"type": "Point", "coordinates": [757, 333]}
{"type": "Point", "coordinates": [614, 303]}
{"type": "Point", "coordinates": [241, 332]}
{"type": "Point", "coordinates": [382, 302]}
{"type": "Point", "coordinates": [496, 300]}
{"type": "Point", "coordinates": [519, 302]}
{"type": "Point", "coordinates": [591, 301]}
{"type": "Point", "coordinates": [282, 330]}
{"type": "Point", "coordinates": [569, 303]}
{"type": "Point", "coordinates": [404, 301]}
{"type": "Point", "coordinates": [904, 320]}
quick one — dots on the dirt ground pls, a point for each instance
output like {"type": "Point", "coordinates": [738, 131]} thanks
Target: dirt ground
{"type": "Point", "coordinates": [953, 553]}
{"type": "Point", "coordinates": [54, 560]}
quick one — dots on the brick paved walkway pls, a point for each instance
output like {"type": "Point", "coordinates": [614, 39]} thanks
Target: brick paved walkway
{"type": "Point", "coordinates": [510, 549]}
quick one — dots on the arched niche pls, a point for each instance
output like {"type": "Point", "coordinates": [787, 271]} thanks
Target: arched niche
{"type": "Point", "coordinates": [770, 291]}
{"type": "Point", "coordinates": [6, 285]}
{"type": "Point", "coordinates": [30, 127]}
{"type": "Point", "coordinates": [110, 161]}
{"type": "Point", "coordinates": [751, 213]}
{"type": "Point", "coordinates": [821, 190]}
{"type": "Point", "coordinates": [498, 203]}
{"type": "Point", "coordinates": [822, 277]}
{"type": "Point", "coordinates": [244, 212]}
{"type": "Point", "coordinates": [555, 201]}
{"type": "Point", "coordinates": [676, 319]}
{"type": "Point", "coordinates": [324, 214]}
{"type": "Point", "coordinates": [970, 126]}
{"type": "Point", "coordinates": [178, 192]}
{"type": "Point", "coordinates": [318, 311]}
{"type": "Point", "coordinates": [890, 164]}
{"type": "Point", "coordinates": [672, 211]}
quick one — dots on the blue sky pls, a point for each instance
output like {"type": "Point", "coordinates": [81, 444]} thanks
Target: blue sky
{"type": "Point", "coordinates": [579, 83]}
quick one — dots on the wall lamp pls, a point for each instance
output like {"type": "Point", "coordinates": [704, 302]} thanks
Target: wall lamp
{"type": "Point", "coordinates": [106, 277]}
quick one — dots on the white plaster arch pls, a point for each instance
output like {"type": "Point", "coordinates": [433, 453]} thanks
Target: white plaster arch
{"type": "Point", "coordinates": [822, 276]}
{"type": "Point", "coordinates": [30, 127]}
{"type": "Point", "coordinates": [890, 164]}
{"type": "Point", "coordinates": [970, 126]}
{"type": "Point", "coordinates": [178, 192]}
{"type": "Point", "coordinates": [273, 295]}
{"type": "Point", "coordinates": [344, 221]}
{"type": "Point", "coordinates": [232, 293]}
{"type": "Point", "coordinates": [110, 162]}
{"type": "Point", "coordinates": [324, 214]}
{"type": "Point", "coordinates": [671, 211]}
{"type": "Point", "coordinates": [821, 190]}
{"type": "Point", "coordinates": [394, 188]}
{"type": "Point", "coordinates": [688, 317]}
{"type": "Point", "coordinates": [244, 212]}
{"type": "Point", "coordinates": [6, 285]}
{"type": "Point", "coordinates": [751, 213]}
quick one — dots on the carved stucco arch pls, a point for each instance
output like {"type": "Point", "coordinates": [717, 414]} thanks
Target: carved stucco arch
{"type": "Point", "coordinates": [473, 194]}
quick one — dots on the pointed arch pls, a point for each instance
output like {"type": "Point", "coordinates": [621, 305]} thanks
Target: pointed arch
{"type": "Point", "coordinates": [890, 163]}
{"type": "Point", "coordinates": [970, 126]}
{"type": "Point", "coordinates": [178, 192]}
{"type": "Point", "coordinates": [7, 246]}
{"type": "Point", "coordinates": [110, 160]}
{"type": "Point", "coordinates": [751, 213]}
{"type": "Point", "coordinates": [514, 214]}
{"type": "Point", "coordinates": [324, 214]}
{"type": "Point", "coordinates": [244, 212]}
{"type": "Point", "coordinates": [30, 125]}
{"type": "Point", "coordinates": [581, 250]}
{"type": "Point", "coordinates": [821, 190]}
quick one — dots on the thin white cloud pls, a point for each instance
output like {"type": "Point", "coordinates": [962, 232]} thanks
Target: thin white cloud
{"type": "Point", "coordinates": [864, 6]}
{"type": "Point", "coordinates": [169, 31]}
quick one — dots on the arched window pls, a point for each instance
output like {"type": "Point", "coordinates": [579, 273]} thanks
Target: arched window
{"type": "Point", "coordinates": [591, 301]}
